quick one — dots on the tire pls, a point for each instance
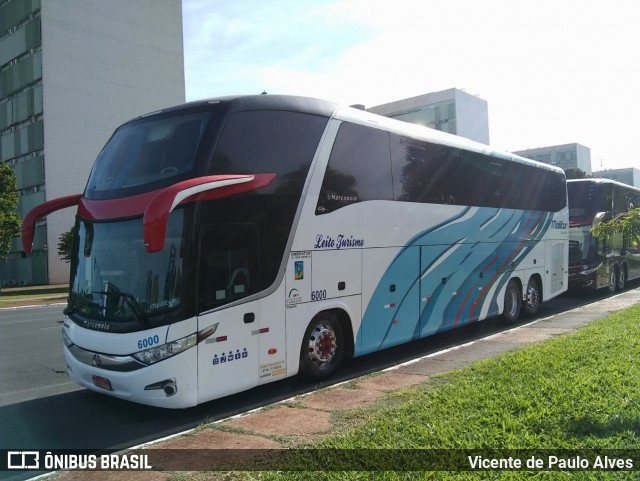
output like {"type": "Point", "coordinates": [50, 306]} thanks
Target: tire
{"type": "Point", "coordinates": [622, 279]}
{"type": "Point", "coordinates": [534, 296]}
{"type": "Point", "coordinates": [613, 279]}
{"type": "Point", "coordinates": [322, 347]}
{"type": "Point", "coordinates": [512, 302]}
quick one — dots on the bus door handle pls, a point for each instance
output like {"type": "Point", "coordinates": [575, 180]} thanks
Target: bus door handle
{"type": "Point", "coordinates": [249, 317]}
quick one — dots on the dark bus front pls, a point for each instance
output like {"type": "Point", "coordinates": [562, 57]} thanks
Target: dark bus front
{"type": "Point", "coordinates": [596, 263]}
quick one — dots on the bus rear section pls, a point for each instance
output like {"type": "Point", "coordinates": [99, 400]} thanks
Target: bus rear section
{"type": "Point", "coordinates": [405, 233]}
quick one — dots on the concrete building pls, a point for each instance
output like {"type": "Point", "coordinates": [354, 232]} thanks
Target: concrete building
{"type": "Point", "coordinates": [453, 111]}
{"type": "Point", "coordinates": [70, 72]}
{"type": "Point", "coordinates": [566, 156]}
{"type": "Point", "coordinates": [629, 176]}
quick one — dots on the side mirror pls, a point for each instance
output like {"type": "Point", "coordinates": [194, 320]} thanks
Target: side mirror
{"type": "Point", "coordinates": [599, 218]}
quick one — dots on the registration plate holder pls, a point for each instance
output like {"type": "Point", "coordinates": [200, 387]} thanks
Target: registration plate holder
{"type": "Point", "coordinates": [102, 383]}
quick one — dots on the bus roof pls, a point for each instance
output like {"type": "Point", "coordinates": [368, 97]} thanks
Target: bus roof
{"type": "Point", "coordinates": [602, 180]}
{"type": "Point", "coordinates": [330, 109]}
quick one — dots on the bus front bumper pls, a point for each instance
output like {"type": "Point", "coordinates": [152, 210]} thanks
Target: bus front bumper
{"type": "Point", "coordinates": [582, 276]}
{"type": "Point", "coordinates": [171, 383]}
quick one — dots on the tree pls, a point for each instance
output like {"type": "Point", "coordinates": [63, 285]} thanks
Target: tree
{"type": "Point", "coordinates": [9, 220]}
{"type": "Point", "coordinates": [575, 173]}
{"type": "Point", "coordinates": [65, 244]}
{"type": "Point", "coordinates": [627, 224]}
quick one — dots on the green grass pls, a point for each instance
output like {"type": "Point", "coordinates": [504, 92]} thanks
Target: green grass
{"type": "Point", "coordinates": [579, 391]}
{"type": "Point", "coordinates": [19, 295]}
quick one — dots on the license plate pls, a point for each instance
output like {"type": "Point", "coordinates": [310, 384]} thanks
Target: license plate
{"type": "Point", "coordinates": [102, 382]}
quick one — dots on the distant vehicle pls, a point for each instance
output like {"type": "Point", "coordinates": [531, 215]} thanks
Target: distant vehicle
{"type": "Point", "coordinates": [595, 263]}
{"type": "Point", "coordinates": [228, 243]}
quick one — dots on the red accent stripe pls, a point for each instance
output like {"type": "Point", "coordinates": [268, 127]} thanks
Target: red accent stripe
{"type": "Point", "coordinates": [40, 211]}
{"type": "Point", "coordinates": [156, 214]}
{"type": "Point", "coordinates": [263, 330]}
{"type": "Point", "coordinates": [221, 338]}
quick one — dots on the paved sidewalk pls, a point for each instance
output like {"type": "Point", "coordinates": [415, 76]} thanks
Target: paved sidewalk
{"type": "Point", "coordinates": [309, 417]}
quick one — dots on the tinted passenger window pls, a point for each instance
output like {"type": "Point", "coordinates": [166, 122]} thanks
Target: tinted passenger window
{"type": "Point", "coordinates": [439, 174]}
{"type": "Point", "coordinates": [359, 169]}
{"type": "Point", "coordinates": [267, 141]}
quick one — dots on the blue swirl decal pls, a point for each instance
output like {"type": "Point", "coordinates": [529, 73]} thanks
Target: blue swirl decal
{"type": "Point", "coordinates": [446, 274]}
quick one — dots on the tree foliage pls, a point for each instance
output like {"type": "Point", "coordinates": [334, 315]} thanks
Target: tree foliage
{"type": "Point", "coordinates": [9, 220]}
{"type": "Point", "coordinates": [627, 224]}
{"type": "Point", "coordinates": [575, 173]}
{"type": "Point", "coordinates": [65, 244]}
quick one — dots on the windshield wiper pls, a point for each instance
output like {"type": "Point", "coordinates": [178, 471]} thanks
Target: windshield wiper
{"type": "Point", "coordinates": [131, 301]}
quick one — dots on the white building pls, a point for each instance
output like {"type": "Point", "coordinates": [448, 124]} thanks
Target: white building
{"type": "Point", "coordinates": [453, 111]}
{"type": "Point", "coordinates": [70, 72]}
{"type": "Point", "coordinates": [629, 176]}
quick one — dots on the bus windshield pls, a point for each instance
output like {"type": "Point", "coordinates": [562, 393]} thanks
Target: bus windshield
{"type": "Point", "coordinates": [581, 244]}
{"type": "Point", "coordinates": [147, 154]}
{"type": "Point", "coordinates": [114, 279]}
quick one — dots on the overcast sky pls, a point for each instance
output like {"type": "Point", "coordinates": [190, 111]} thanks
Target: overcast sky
{"type": "Point", "coordinates": [552, 71]}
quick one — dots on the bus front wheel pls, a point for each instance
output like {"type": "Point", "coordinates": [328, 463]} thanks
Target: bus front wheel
{"type": "Point", "coordinates": [622, 278]}
{"type": "Point", "coordinates": [512, 302]}
{"type": "Point", "coordinates": [322, 348]}
{"type": "Point", "coordinates": [613, 279]}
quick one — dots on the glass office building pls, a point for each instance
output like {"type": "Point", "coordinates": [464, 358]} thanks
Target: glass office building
{"type": "Point", "coordinates": [453, 111]}
{"type": "Point", "coordinates": [565, 156]}
{"type": "Point", "coordinates": [70, 72]}
{"type": "Point", "coordinates": [629, 175]}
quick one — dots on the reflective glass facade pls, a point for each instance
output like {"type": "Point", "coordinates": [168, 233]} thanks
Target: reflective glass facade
{"type": "Point", "coordinates": [566, 156]}
{"type": "Point", "coordinates": [440, 116]}
{"type": "Point", "coordinates": [21, 129]}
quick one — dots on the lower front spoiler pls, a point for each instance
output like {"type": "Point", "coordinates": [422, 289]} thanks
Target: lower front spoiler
{"type": "Point", "coordinates": [580, 281]}
{"type": "Point", "coordinates": [171, 383]}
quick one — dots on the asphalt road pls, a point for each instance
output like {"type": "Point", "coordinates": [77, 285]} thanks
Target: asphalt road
{"type": "Point", "coordinates": [41, 409]}
{"type": "Point", "coordinates": [32, 365]}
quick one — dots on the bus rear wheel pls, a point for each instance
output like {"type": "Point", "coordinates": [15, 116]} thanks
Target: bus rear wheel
{"type": "Point", "coordinates": [512, 302]}
{"type": "Point", "coordinates": [322, 348]}
{"type": "Point", "coordinates": [532, 302]}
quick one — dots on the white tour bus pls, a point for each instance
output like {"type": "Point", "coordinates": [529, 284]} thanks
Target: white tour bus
{"type": "Point", "coordinates": [224, 244]}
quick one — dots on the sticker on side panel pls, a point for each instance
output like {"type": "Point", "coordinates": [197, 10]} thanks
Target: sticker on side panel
{"type": "Point", "coordinates": [298, 273]}
{"type": "Point", "coordinates": [272, 369]}
{"type": "Point", "coordinates": [230, 356]}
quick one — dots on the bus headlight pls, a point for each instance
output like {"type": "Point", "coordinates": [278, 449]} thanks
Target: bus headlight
{"type": "Point", "coordinates": [159, 353]}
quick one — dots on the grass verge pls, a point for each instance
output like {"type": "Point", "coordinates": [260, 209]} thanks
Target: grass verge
{"type": "Point", "coordinates": [575, 392]}
{"type": "Point", "coordinates": [20, 296]}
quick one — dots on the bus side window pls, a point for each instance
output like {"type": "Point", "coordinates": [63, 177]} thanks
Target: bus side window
{"type": "Point", "coordinates": [359, 169]}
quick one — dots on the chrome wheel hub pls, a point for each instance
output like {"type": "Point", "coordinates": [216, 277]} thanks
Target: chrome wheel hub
{"type": "Point", "coordinates": [322, 344]}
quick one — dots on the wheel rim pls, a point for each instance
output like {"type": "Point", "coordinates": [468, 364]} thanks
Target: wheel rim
{"type": "Point", "coordinates": [621, 279]}
{"type": "Point", "coordinates": [612, 280]}
{"type": "Point", "coordinates": [322, 344]}
{"type": "Point", "coordinates": [533, 297]}
{"type": "Point", "coordinates": [511, 303]}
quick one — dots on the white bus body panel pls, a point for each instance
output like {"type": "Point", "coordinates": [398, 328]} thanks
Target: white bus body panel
{"type": "Point", "coordinates": [181, 368]}
{"type": "Point", "coordinates": [425, 268]}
